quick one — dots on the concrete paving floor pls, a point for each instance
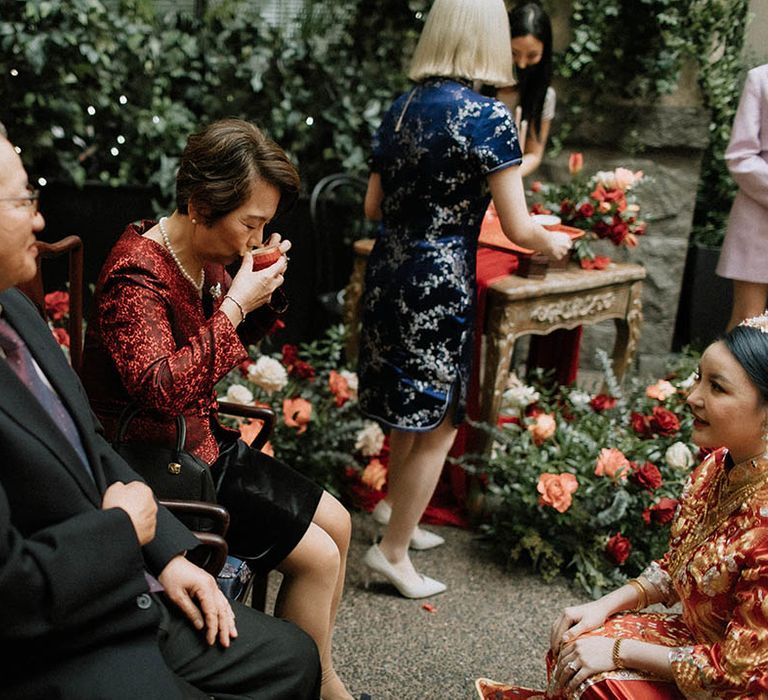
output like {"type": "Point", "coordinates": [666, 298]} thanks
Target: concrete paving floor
{"type": "Point", "coordinates": [490, 622]}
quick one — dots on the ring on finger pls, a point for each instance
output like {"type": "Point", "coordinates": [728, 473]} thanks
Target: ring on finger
{"type": "Point", "coordinates": [572, 665]}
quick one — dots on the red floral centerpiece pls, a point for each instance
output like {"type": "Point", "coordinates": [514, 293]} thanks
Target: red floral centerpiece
{"type": "Point", "coordinates": [604, 205]}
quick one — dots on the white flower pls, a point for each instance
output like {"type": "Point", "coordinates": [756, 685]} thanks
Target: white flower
{"type": "Point", "coordinates": [370, 440]}
{"type": "Point", "coordinates": [517, 396]}
{"type": "Point", "coordinates": [238, 393]}
{"type": "Point", "coordinates": [579, 399]}
{"type": "Point", "coordinates": [606, 178]}
{"type": "Point", "coordinates": [268, 374]}
{"type": "Point", "coordinates": [678, 456]}
{"type": "Point", "coordinates": [351, 378]}
{"type": "Point", "coordinates": [688, 382]}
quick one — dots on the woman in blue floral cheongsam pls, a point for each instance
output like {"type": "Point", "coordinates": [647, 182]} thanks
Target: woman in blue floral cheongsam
{"type": "Point", "coordinates": [440, 153]}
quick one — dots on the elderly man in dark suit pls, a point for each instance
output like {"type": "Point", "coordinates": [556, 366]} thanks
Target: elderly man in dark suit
{"type": "Point", "coordinates": [81, 538]}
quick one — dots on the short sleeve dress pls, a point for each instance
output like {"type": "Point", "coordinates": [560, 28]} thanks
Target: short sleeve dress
{"type": "Point", "coordinates": [434, 149]}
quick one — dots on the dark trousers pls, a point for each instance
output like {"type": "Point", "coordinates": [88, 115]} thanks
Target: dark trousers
{"type": "Point", "coordinates": [270, 659]}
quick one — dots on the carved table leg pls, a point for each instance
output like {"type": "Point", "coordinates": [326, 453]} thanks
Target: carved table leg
{"type": "Point", "coordinates": [628, 331]}
{"type": "Point", "coordinates": [498, 355]}
{"type": "Point", "coordinates": [352, 295]}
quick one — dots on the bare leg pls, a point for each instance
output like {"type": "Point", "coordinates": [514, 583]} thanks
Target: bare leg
{"type": "Point", "coordinates": [749, 299]}
{"type": "Point", "coordinates": [400, 446]}
{"type": "Point", "coordinates": [413, 484]}
{"type": "Point", "coordinates": [313, 580]}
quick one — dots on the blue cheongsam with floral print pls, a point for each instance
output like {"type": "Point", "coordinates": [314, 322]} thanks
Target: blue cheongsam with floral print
{"type": "Point", "coordinates": [433, 151]}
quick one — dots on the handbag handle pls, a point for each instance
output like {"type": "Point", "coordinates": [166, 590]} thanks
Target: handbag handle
{"type": "Point", "coordinates": [131, 411]}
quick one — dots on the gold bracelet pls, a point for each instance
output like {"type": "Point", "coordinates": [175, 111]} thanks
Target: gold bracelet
{"type": "Point", "coordinates": [616, 653]}
{"type": "Point", "coordinates": [642, 594]}
{"type": "Point", "coordinates": [238, 305]}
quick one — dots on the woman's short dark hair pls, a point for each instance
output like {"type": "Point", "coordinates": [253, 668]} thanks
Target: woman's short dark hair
{"type": "Point", "coordinates": [533, 81]}
{"type": "Point", "coordinates": [750, 348]}
{"type": "Point", "coordinates": [220, 163]}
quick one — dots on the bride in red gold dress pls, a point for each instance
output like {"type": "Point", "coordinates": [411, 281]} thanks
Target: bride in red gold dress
{"type": "Point", "coordinates": [716, 567]}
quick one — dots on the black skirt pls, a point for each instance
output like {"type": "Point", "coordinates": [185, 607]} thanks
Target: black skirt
{"type": "Point", "coordinates": [270, 504]}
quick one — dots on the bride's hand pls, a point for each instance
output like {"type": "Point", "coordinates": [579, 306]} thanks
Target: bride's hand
{"type": "Point", "coordinates": [581, 659]}
{"type": "Point", "coordinates": [573, 621]}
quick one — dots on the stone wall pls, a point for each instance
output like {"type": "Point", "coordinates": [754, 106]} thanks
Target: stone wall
{"type": "Point", "coordinates": [666, 142]}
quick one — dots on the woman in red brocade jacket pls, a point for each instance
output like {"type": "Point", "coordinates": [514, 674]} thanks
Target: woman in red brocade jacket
{"type": "Point", "coordinates": [716, 567]}
{"type": "Point", "coordinates": [169, 323]}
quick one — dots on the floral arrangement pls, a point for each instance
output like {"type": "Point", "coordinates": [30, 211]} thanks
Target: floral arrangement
{"type": "Point", "coordinates": [319, 430]}
{"type": "Point", "coordinates": [57, 311]}
{"type": "Point", "coordinates": [604, 205]}
{"type": "Point", "coordinates": [583, 484]}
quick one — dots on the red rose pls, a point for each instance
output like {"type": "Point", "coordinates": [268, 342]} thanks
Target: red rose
{"type": "Point", "coordinates": [539, 208]}
{"type": "Point", "coordinates": [601, 229]}
{"type": "Point", "coordinates": [278, 325]}
{"type": "Point", "coordinates": [244, 365]}
{"type": "Point", "coordinates": [302, 370]}
{"type": "Point", "coordinates": [618, 548]}
{"type": "Point", "coordinates": [640, 228]}
{"type": "Point", "coordinates": [290, 355]}
{"type": "Point", "coordinates": [641, 424]}
{"type": "Point", "coordinates": [602, 402]}
{"type": "Point", "coordinates": [586, 210]}
{"type": "Point", "coordinates": [664, 422]}
{"type": "Point", "coordinates": [57, 305]}
{"type": "Point", "coordinates": [618, 233]}
{"type": "Point", "coordinates": [662, 512]}
{"type": "Point", "coordinates": [566, 208]}
{"type": "Point", "coordinates": [646, 475]}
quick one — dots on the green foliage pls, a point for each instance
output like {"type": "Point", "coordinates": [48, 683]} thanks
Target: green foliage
{"type": "Point", "coordinates": [318, 88]}
{"type": "Point", "coordinates": [635, 49]}
{"type": "Point", "coordinates": [574, 539]}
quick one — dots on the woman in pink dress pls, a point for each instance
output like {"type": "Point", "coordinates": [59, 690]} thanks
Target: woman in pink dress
{"type": "Point", "coordinates": [744, 258]}
{"type": "Point", "coordinates": [716, 567]}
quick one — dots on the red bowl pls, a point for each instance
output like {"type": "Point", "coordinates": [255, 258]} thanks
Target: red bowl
{"type": "Point", "coordinates": [264, 257]}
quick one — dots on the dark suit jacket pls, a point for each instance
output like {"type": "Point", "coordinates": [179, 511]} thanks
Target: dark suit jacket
{"type": "Point", "coordinates": [75, 617]}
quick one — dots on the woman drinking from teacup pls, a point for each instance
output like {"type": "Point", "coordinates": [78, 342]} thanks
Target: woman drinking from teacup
{"type": "Point", "coordinates": [169, 323]}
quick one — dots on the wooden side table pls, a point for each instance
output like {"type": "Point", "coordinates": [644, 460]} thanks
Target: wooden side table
{"type": "Point", "coordinates": [516, 306]}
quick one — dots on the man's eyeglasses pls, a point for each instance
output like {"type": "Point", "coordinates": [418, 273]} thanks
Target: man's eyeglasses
{"type": "Point", "coordinates": [28, 201]}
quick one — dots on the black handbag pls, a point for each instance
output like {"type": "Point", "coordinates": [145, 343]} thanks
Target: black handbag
{"type": "Point", "coordinates": [170, 472]}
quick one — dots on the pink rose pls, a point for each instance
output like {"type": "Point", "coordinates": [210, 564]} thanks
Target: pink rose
{"type": "Point", "coordinates": [556, 490]}
{"type": "Point", "coordinates": [297, 413]}
{"type": "Point", "coordinates": [612, 463]}
{"type": "Point", "coordinates": [543, 427]}
{"type": "Point", "coordinates": [339, 387]}
{"type": "Point", "coordinates": [660, 391]}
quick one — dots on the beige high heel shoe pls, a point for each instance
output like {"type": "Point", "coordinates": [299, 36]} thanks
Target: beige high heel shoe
{"type": "Point", "coordinates": [375, 560]}
{"type": "Point", "coordinates": [420, 539]}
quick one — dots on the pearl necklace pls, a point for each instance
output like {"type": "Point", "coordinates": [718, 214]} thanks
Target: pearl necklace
{"type": "Point", "coordinates": [197, 285]}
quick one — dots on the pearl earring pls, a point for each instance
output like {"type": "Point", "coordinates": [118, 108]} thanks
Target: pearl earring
{"type": "Point", "coordinates": [194, 221]}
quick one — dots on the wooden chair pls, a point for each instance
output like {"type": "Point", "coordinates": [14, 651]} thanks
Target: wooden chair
{"type": "Point", "coordinates": [35, 290]}
{"type": "Point", "coordinates": [336, 214]}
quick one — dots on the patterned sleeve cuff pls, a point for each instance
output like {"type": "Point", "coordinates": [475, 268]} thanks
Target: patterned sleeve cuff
{"type": "Point", "coordinates": [686, 671]}
{"type": "Point", "coordinates": [662, 582]}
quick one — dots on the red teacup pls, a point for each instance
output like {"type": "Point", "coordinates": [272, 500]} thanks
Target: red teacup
{"type": "Point", "coordinates": [264, 257]}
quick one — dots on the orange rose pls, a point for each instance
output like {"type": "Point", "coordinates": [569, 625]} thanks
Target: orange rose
{"type": "Point", "coordinates": [575, 163]}
{"type": "Point", "coordinates": [250, 429]}
{"type": "Point", "coordinates": [612, 463]}
{"type": "Point", "coordinates": [297, 413]}
{"type": "Point", "coordinates": [543, 427]}
{"type": "Point", "coordinates": [374, 476]}
{"type": "Point", "coordinates": [339, 387]}
{"type": "Point", "coordinates": [661, 390]}
{"type": "Point", "coordinates": [556, 490]}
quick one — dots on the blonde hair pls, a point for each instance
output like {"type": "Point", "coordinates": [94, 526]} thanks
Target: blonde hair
{"type": "Point", "coordinates": [465, 39]}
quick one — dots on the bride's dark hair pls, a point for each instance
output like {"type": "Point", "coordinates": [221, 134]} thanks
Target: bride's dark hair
{"type": "Point", "coordinates": [750, 348]}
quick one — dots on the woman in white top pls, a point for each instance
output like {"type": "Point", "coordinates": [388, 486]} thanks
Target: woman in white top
{"type": "Point", "coordinates": [532, 100]}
